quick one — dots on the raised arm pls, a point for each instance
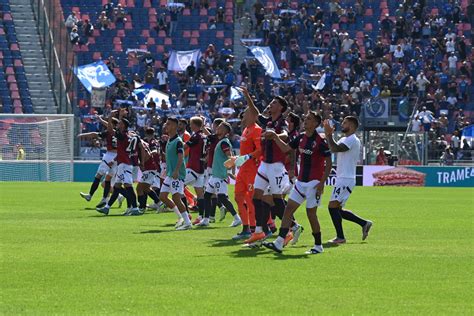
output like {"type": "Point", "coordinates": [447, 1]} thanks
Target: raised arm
{"type": "Point", "coordinates": [249, 100]}
{"type": "Point", "coordinates": [88, 135]}
{"type": "Point", "coordinates": [333, 146]}
{"type": "Point", "coordinates": [278, 140]}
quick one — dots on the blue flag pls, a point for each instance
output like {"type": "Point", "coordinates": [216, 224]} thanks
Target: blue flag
{"type": "Point", "coordinates": [180, 60]}
{"type": "Point", "coordinates": [95, 75]}
{"type": "Point", "coordinates": [235, 94]}
{"type": "Point", "coordinates": [403, 115]}
{"type": "Point", "coordinates": [265, 57]}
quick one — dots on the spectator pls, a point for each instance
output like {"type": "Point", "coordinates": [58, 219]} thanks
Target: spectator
{"type": "Point", "coordinates": [174, 12]}
{"type": "Point", "coordinates": [103, 21]}
{"type": "Point", "coordinates": [447, 158]}
{"type": "Point", "coordinates": [421, 82]}
{"type": "Point", "coordinates": [88, 28]}
{"type": "Point", "coordinates": [381, 159]}
{"type": "Point", "coordinates": [119, 14]}
{"type": "Point", "coordinates": [74, 37]}
{"type": "Point", "coordinates": [71, 20]}
{"type": "Point", "coordinates": [452, 64]}
{"type": "Point", "coordinates": [220, 14]}
{"type": "Point", "coordinates": [191, 72]}
{"type": "Point", "coordinates": [162, 78]}
{"type": "Point", "coordinates": [246, 24]}
{"type": "Point", "coordinates": [466, 150]}
{"type": "Point", "coordinates": [455, 144]}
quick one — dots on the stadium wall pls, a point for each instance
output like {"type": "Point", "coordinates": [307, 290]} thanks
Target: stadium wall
{"type": "Point", "coordinates": [84, 171]}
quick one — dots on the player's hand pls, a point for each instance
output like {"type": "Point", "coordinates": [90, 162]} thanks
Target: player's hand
{"type": "Point", "coordinates": [291, 174]}
{"type": "Point", "coordinates": [244, 90]}
{"type": "Point", "coordinates": [328, 129]}
{"type": "Point", "coordinates": [319, 189]}
{"type": "Point", "coordinates": [269, 135]}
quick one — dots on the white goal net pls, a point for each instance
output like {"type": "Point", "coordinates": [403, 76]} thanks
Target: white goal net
{"type": "Point", "coordinates": [36, 147]}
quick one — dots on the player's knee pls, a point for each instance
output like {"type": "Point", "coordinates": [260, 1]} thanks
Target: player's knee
{"type": "Point", "coordinates": [257, 194]}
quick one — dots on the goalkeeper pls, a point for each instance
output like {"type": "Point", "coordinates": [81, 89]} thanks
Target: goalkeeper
{"type": "Point", "coordinates": [248, 161]}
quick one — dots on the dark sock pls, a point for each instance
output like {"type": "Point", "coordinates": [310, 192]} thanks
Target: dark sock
{"type": "Point", "coordinates": [266, 208]}
{"type": "Point", "coordinates": [131, 197]}
{"type": "Point", "coordinates": [114, 196]}
{"type": "Point", "coordinates": [152, 194]}
{"type": "Point", "coordinates": [94, 186]}
{"type": "Point", "coordinates": [224, 199]}
{"type": "Point", "coordinates": [252, 229]}
{"type": "Point", "coordinates": [185, 202]}
{"type": "Point", "coordinates": [213, 206]}
{"type": "Point", "coordinates": [219, 204]}
{"type": "Point", "coordinates": [106, 189]}
{"type": "Point", "coordinates": [337, 221]}
{"type": "Point", "coordinates": [258, 211]}
{"type": "Point", "coordinates": [142, 201]}
{"type": "Point", "coordinates": [279, 208]}
{"type": "Point", "coordinates": [283, 232]}
{"type": "Point", "coordinates": [349, 216]}
{"type": "Point", "coordinates": [200, 206]}
{"type": "Point", "coordinates": [207, 204]}
{"type": "Point", "coordinates": [245, 228]}
{"type": "Point", "coordinates": [317, 238]}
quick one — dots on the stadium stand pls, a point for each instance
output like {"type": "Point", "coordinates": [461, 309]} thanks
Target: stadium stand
{"type": "Point", "coordinates": [364, 48]}
{"type": "Point", "coordinates": [14, 92]}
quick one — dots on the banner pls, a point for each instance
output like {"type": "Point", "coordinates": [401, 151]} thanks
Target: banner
{"type": "Point", "coordinates": [321, 83]}
{"type": "Point", "coordinates": [418, 176]}
{"type": "Point", "coordinates": [265, 57]}
{"type": "Point", "coordinates": [98, 97]}
{"type": "Point", "coordinates": [331, 180]}
{"type": "Point", "coordinates": [376, 108]}
{"type": "Point", "coordinates": [403, 108]}
{"type": "Point", "coordinates": [158, 97]}
{"type": "Point", "coordinates": [235, 94]}
{"type": "Point", "coordinates": [180, 60]}
{"type": "Point", "coordinates": [95, 75]}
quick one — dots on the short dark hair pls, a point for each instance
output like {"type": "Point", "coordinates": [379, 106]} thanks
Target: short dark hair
{"type": "Point", "coordinates": [126, 122]}
{"type": "Point", "coordinates": [184, 121]}
{"type": "Point", "coordinates": [317, 116]}
{"type": "Point", "coordinates": [172, 119]}
{"type": "Point", "coordinates": [115, 121]}
{"type": "Point", "coordinates": [295, 119]}
{"type": "Point", "coordinates": [227, 125]}
{"type": "Point", "coordinates": [218, 121]}
{"type": "Point", "coordinates": [282, 102]}
{"type": "Point", "coordinates": [354, 120]}
{"type": "Point", "coordinates": [150, 131]}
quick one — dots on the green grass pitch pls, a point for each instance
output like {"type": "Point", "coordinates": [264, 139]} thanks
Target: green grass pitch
{"type": "Point", "coordinates": [58, 256]}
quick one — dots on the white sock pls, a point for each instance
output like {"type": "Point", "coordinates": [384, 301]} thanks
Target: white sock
{"type": "Point", "coordinates": [176, 211]}
{"type": "Point", "coordinates": [258, 229]}
{"type": "Point", "coordinates": [237, 217]}
{"type": "Point", "coordinates": [295, 227]}
{"type": "Point", "coordinates": [185, 216]}
{"type": "Point", "coordinates": [205, 220]}
{"type": "Point", "coordinates": [279, 241]}
{"type": "Point", "coordinates": [199, 217]}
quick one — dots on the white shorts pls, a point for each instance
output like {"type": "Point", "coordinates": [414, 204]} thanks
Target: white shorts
{"type": "Point", "coordinates": [148, 177]}
{"type": "Point", "coordinates": [108, 165]}
{"type": "Point", "coordinates": [173, 186]}
{"type": "Point", "coordinates": [163, 170]}
{"type": "Point", "coordinates": [290, 186]}
{"type": "Point", "coordinates": [124, 174]}
{"type": "Point", "coordinates": [305, 190]}
{"type": "Point", "coordinates": [342, 190]}
{"type": "Point", "coordinates": [194, 179]}
{"type": "Point", "coordinates": [135, 170]}
{"type": "Point", "coordinates": [217, 185]}
{"type": "Point", "coordinates": [207, 175]}
{"type": "Point", "coordinates": [272, 175]}
{"type": "Point", "coordinates": [157, 182]}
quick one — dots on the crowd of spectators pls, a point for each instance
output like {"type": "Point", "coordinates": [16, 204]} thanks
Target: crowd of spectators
{"type": "Point", "coordinates": [414, 52]}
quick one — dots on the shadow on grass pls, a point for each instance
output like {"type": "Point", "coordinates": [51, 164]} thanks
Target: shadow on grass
{"type": "Point", "coordinates": [246, 252]}
{"type": "Point", "coordinates": [155, 231]}
{"type": "Point", "coordinates": [223, 243]}
{"type": "Point", "coordinates": [330, 245]}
